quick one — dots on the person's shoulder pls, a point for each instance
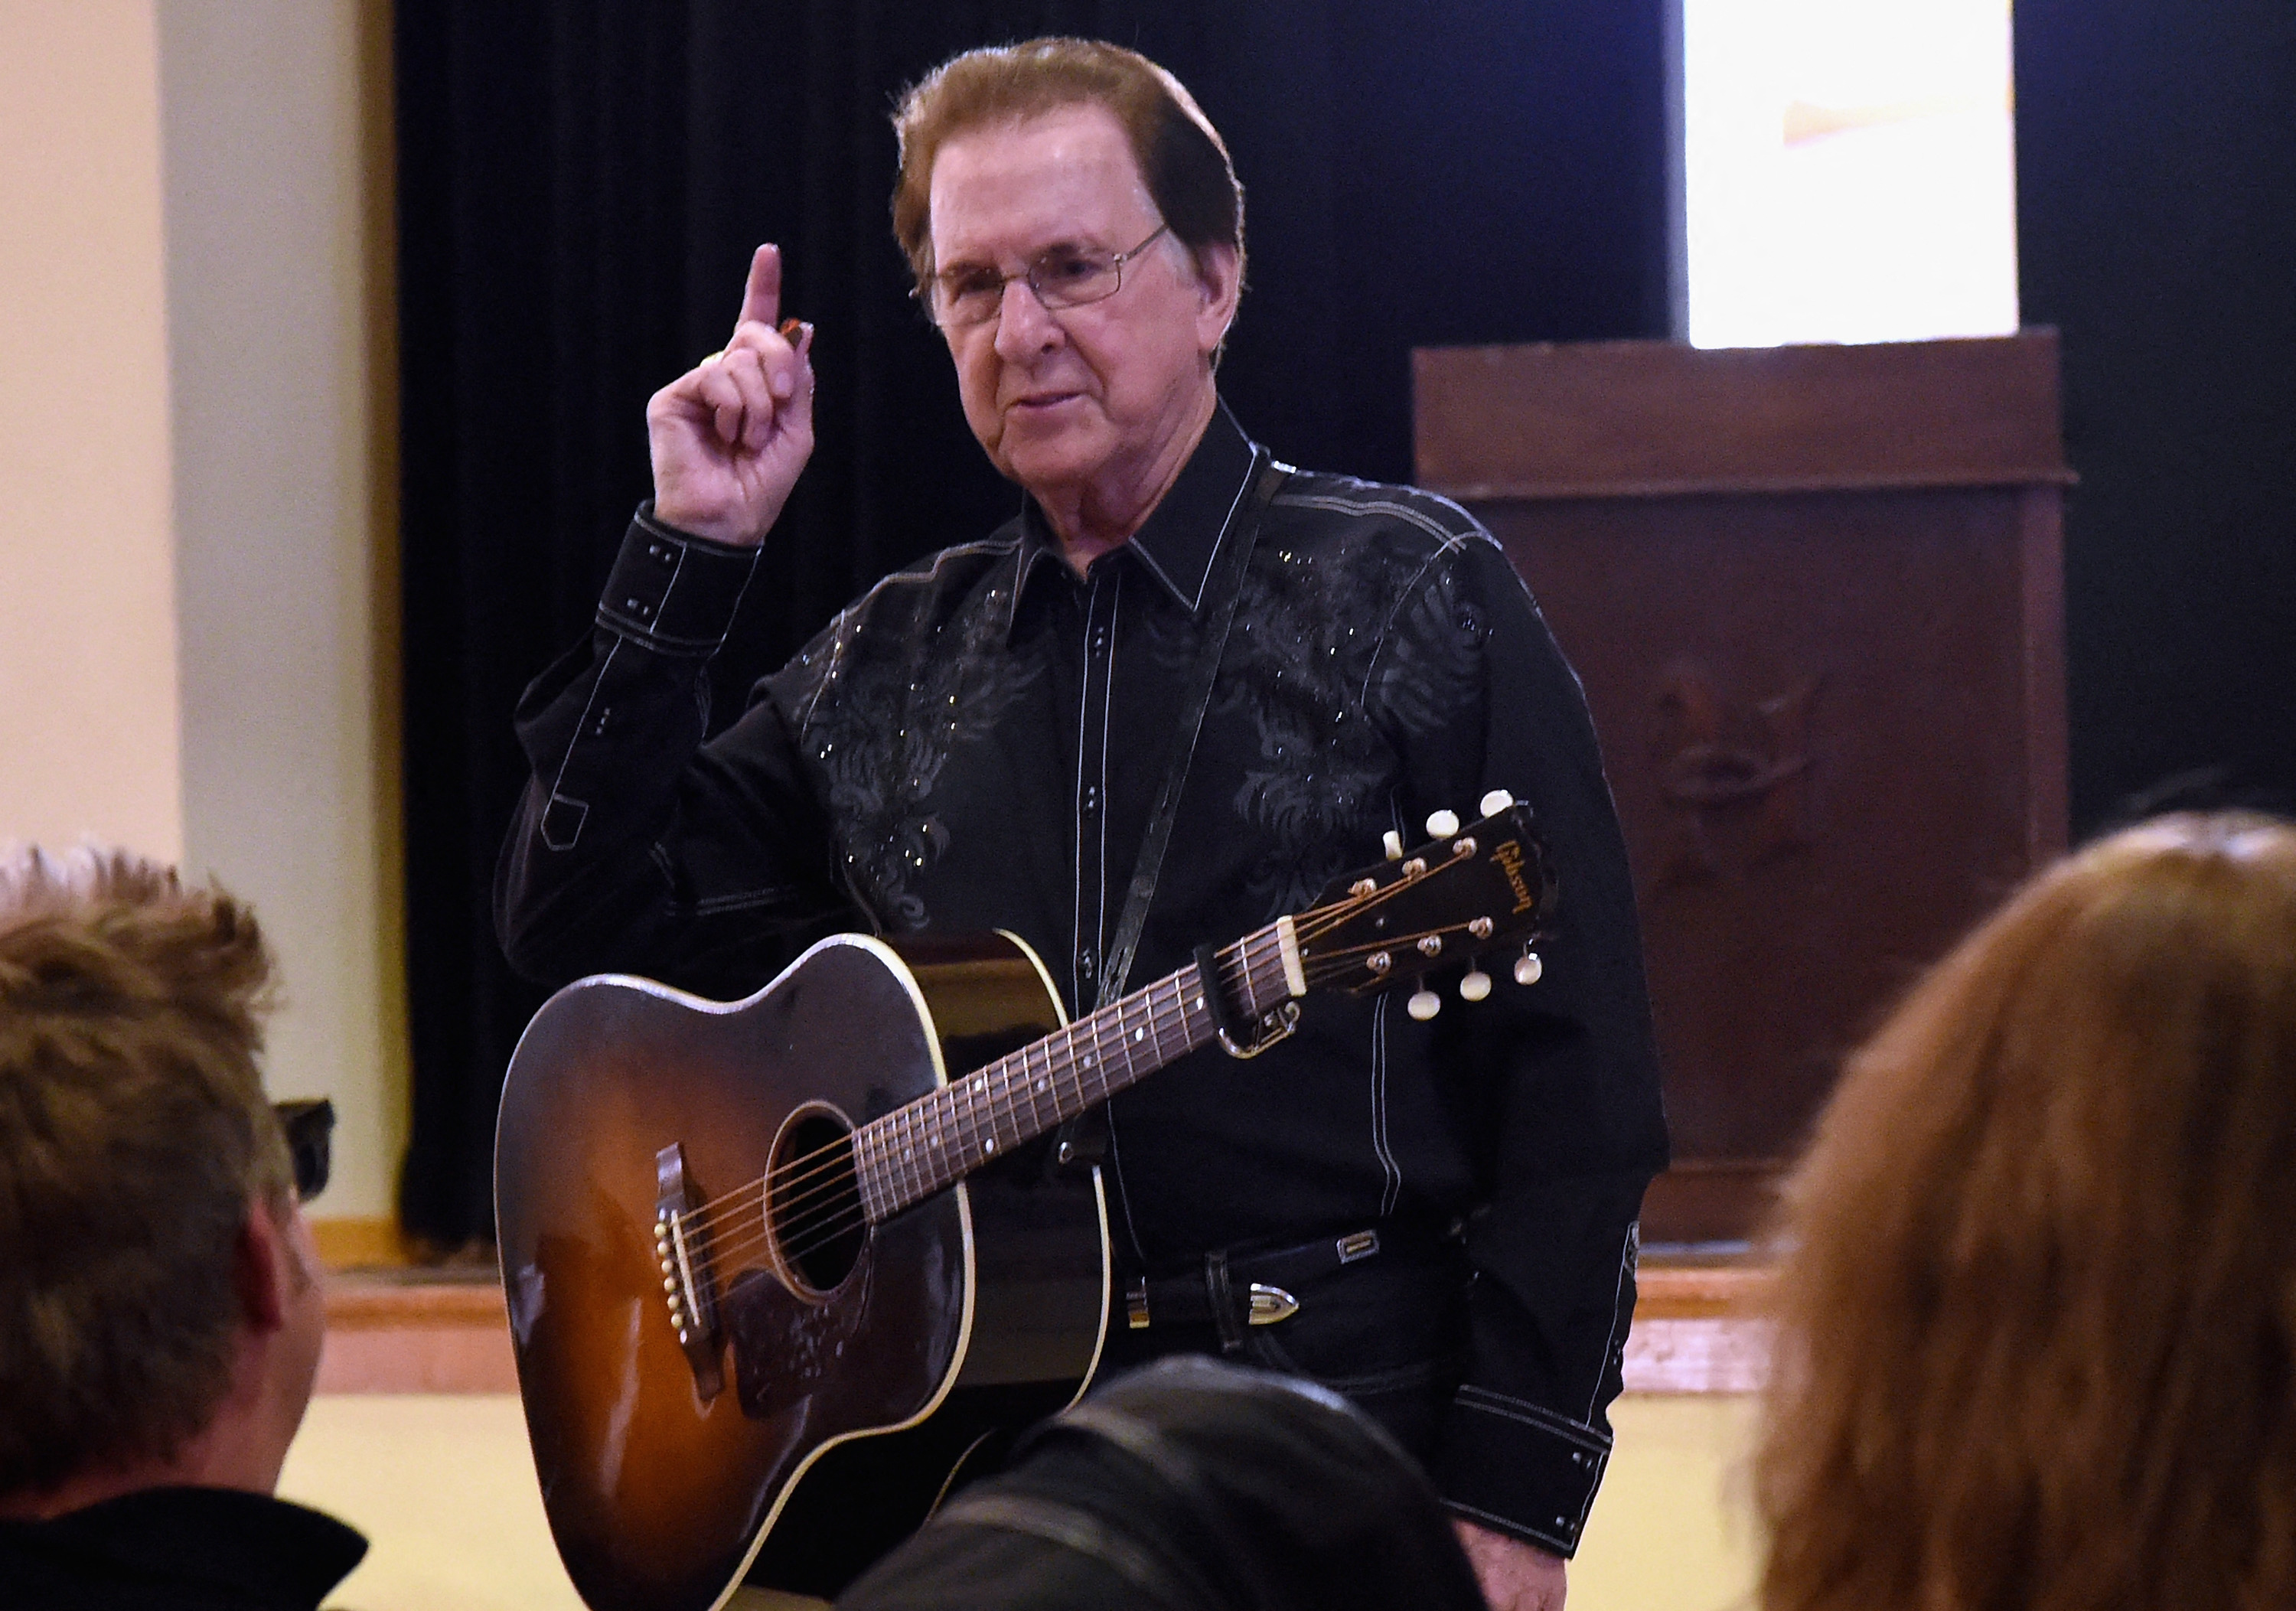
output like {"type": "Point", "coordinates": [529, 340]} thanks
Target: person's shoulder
{"type": "Point", "coordinates": [1346, 506]}
{"type": "Point", "coordinates": [950, 572]}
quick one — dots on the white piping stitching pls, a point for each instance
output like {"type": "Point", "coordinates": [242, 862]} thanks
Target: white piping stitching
{"type": "Point", "coordinates": [1508, 1523]}
{"type": "Point", "coordinates": [1211, 560]}
{"type": "Point", "coordinates": [1618, 1316]}
{"type": "Point", "coordinates": [566, 759]}
{"type": "Point", "coordinates": [1393, 1191]}
{"type": "Point", "coordinates": [1471, 1397]}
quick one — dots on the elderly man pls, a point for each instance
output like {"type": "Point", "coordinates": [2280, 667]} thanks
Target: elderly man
{"type": "Point", "coordinates": [1177, 640]}
{"type": "Point", "coordinates": [160, 1312]}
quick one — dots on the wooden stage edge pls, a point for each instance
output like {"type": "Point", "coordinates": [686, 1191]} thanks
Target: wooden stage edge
{"type": "Point", "coordinates": [1697, 1330]}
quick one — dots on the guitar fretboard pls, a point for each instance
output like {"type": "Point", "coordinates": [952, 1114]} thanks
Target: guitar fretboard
{"type": "Point", "coordinates": [917, 1150]}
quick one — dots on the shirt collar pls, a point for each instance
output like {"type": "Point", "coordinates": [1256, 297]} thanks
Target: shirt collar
{"type": "Point", "coordinates": [1177, 542]}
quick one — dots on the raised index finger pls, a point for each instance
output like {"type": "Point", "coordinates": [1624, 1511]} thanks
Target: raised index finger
{"type": "Point", "coordinates": [761, 298]}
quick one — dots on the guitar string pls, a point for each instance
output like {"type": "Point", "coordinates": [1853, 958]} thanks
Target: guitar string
{"type": "Point", "coordinates": [836, 1219]}
{"type": "Point", "coordinates": [1000, 1088]}
{"type": "Point", "coordinates": [833, 1219]}
{"type": "Point", "coordinates": [849, 1215]}
{"type": "Point", "coordinates": [700, 1218]}
{"type": "Point", "coordinates": [835, 1168]}
{"type": "Point", "coordinates": [827, 1157]}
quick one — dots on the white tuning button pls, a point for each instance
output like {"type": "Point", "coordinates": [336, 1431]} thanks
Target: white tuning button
{"type": "Point", "coordinates": [1529, 969]}
{"type": "Point", "coordinates": [1442, 825]}
{"type": "Point", "coordinates": [1495, 801]}
{"type": "Point", "coordinates": [1392, 843]}
{"type": "Point", "coordinates": [1475, 985]}
{"type": "Point", "coordinates": [1424, 1005]}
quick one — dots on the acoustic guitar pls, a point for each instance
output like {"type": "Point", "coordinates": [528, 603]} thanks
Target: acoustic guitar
{"type": "Point", "coordinates": [777, 1268]}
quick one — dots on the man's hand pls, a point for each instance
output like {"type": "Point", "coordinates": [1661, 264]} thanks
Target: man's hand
{"type": "Point", "coordinates": [729, 436]}
{"type": "Point", "coordinates": [1515, 1576]}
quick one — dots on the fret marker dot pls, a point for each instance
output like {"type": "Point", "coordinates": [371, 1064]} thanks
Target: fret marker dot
{"type": "Point", "coordinates": [1040, 1082]}
{"type": "Point", "coordinates": [1139, 1034]}
{"type": "Point", "coordinates": [989, 1144]}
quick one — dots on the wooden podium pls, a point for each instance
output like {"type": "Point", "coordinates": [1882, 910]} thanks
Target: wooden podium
{"type": "Point", "coordinates": [1816, 597]}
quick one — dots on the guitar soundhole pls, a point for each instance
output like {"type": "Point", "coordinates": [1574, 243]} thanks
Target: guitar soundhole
{"type": "Point", "coordinates": [812, 1202]}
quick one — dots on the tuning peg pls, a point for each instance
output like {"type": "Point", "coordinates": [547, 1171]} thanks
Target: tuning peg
{"type": "Point", "coordinates": [1442, 825]}
{"type": "Point", "coordinates": [1528, 970]}
{"type": "Point", "coordinates": [1392, 843]}
{"type": "Point", "coordinates": [1495, 801]}
{"type": "Point", "coordinates": [1475, 985]}
{"type": "Point", "coordinates": [1424, 1005]}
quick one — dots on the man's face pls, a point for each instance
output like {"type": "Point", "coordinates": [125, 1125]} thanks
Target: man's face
{"type": "Point", "coordinates": [1094, 399]}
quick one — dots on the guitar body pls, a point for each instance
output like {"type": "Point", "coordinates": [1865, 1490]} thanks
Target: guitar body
{"type": "Point", "coordinates": [843, 1378]}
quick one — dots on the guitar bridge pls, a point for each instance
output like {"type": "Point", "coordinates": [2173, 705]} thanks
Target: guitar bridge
{"type": "Point", "coordinates": [689, 1286]}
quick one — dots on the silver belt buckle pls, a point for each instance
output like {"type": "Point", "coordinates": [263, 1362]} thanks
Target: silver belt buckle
{"type": "Point", "coordinates": [1270, 1304]}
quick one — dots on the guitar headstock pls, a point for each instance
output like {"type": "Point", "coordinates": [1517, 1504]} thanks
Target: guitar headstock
{"type": "Point", "coordinates": [1465, 893]}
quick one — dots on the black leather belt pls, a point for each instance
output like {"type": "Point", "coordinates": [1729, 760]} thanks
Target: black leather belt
{"type": "Point", "coordinates": [1235, 1289]}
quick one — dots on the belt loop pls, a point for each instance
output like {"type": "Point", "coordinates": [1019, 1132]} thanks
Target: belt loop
{"type": "Point", "coordinates": [1224, 1309]}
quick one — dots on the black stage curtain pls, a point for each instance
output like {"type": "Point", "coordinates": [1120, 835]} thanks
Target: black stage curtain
{"type": "Point", "coordinates": [2156, 182]}
{"type": "Point", "coordinates": [580, 185]}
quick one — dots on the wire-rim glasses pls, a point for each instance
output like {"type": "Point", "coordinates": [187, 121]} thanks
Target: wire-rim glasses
{"type": "Point", "coordinates": [1060, 277]}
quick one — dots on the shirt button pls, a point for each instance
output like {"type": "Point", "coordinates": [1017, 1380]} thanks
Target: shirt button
{"type": "Point", "coordinates": [1084, 964]}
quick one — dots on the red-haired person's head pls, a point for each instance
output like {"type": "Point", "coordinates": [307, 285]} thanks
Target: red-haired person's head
{"type": "Point", "coordinates": [2036, 1304]}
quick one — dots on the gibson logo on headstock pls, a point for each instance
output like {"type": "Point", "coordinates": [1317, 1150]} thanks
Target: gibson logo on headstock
{"type": "Point", "coordinates": [1508, 854]}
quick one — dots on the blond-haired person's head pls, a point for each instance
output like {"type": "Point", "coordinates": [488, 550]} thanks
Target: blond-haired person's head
{"type": "Point", "coordinates": [159, 1312]}
{"type": "Point", "coordinates": [2038, 1306]}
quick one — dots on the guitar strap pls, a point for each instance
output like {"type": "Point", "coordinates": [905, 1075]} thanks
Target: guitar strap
{"type": "Point", "coordinates": [1226, 586]}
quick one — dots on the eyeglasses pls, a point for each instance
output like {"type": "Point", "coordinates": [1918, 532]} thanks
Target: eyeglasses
{"type": "Point", "coordinates": [1065, 276]}
{"type": "Point", "coordinates": [309, 1126]}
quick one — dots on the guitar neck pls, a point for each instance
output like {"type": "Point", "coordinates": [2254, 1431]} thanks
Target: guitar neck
{"type": "Point", "coordinates": [916, 1151]}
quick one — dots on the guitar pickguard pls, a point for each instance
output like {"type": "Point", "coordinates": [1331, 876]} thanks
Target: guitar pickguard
{"type": "Point", "coordinates": [785, 1347]}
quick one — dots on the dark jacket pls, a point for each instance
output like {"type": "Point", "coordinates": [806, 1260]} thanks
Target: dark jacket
{"type": "Point", "coordinates": [176, 1549]}
{"type": "Point", "coordinates": [1188, 1486]}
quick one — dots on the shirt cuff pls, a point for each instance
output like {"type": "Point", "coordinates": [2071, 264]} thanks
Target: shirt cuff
{"type": "Point", "coordinates": [671, 591]}
{"type": "Point", "coordinates": [1519, 1468]}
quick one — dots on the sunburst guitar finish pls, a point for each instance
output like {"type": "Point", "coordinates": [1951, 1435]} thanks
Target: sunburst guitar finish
{"type": "Point", "coordinates": [850, 1368]}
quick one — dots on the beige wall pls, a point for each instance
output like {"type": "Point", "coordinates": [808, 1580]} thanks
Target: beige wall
{"type": "Point", "coordinates": [196, 475]}
{"type": "Point", "coordinates": [88, 709]}
{"type": "Point", "coordinates": [276, 128]}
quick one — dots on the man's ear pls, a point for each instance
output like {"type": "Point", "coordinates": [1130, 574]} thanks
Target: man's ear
{"type": "Point", "coordinates": [1219, 280]}
{"type": "Point", "coordinates": [267, 1269]}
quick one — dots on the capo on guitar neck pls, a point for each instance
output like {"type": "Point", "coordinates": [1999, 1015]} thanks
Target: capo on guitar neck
{"type": "Point", "coordinates": [1239, 1036]}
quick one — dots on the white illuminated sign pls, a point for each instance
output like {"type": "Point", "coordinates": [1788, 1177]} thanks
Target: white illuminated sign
{"type": "Point", "coordinates": [1849, 171]}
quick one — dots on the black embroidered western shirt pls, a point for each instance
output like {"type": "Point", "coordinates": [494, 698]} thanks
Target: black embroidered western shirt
{"type": "Point", "coordinates": [977, 743]}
